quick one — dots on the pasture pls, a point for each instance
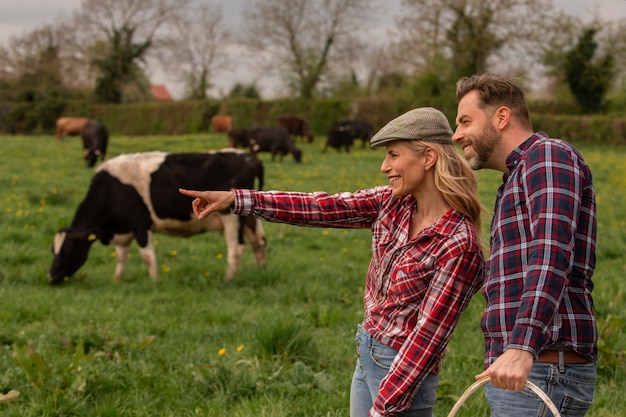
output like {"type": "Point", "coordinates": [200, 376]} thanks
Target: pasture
{"type": "Point", "coordinates": [276, 343]}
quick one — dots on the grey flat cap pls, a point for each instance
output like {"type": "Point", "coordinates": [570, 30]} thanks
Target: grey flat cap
{"type": "Point", "coordinates": [424, 123]}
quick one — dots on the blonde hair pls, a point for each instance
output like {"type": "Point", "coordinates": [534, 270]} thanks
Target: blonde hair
{"type": "Point", "coordinates": [455, 179]}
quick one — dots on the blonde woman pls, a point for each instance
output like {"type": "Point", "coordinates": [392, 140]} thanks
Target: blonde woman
{"type": "Point", "coordinates": [426, 263]}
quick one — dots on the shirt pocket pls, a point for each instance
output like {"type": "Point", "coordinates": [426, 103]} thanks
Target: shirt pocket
{"type": "Point", "coordinates": [411, 278]}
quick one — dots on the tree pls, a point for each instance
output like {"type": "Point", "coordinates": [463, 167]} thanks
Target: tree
{"type": "Point", "coordinates": [118, 66]}
{"type": "Point", "coordinates": [589, 76]}
{"type": "Point", "coordinates": [118, 35]}
{"type": "Point", "coordinates": [39, 73]}
{"type": "Point", "coordinates": [39, 61]}
{"type": "Point", "coordinates": [302, 40]}
{"type": "Point", "coordinates": [197, 49]}
{"type": "Point", "coordinates": [244, 91]}
{"type": "Point", "coordinates": [613, 38]}
{"type": "Point", "coordinates": [463, 37]}
{"type": "Point", "coordinates": [34, 59]}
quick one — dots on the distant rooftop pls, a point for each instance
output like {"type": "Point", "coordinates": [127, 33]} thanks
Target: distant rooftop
{"type": "Point", "coordinates": [159, 93]}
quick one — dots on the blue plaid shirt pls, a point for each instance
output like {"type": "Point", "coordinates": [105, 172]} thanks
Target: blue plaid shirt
{"type": "Point", "coordinates": [543, 239]}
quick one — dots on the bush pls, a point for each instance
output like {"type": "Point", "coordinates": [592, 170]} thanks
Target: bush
{"type": "Point", "coordinates": [194, 116]}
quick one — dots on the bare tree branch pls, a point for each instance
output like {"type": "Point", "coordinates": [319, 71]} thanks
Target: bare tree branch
{"type": "Point", "coordinates": [117, 35]}
{"type": "Point", "coordinates": [196, 49]}
{"type": "Point", "coordinates": [470, 35]}
{"type": "Point", "coordinates": [301, 39]}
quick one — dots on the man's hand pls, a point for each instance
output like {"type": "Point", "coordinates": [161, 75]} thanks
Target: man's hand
{"type": "Point", "coordinates": [208, 202]}
{"type": "Point", "coordinates": [510, 370]}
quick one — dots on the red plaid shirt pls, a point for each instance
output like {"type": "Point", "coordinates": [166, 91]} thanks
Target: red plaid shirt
{"type": "Point", "coordinates": [543, 239]}
{"type": "Point", "coordinates": [415, 289]}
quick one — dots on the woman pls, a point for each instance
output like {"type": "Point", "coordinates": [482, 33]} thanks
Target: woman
{"type": "Point", "coordinates": [426, 262]}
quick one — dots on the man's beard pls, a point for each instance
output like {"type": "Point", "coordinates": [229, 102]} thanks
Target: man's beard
{"type": "Point", "coordinates": [483, 148]}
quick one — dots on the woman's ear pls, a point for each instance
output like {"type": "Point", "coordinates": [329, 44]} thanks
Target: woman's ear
{"type": "Point", "coordinates": [430, 158]}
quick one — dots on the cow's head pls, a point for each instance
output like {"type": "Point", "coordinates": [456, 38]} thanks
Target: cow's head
{"type": "Point", "coordinates": [91, 157]}
{"type": "Point", "coordinates": [69, 249]}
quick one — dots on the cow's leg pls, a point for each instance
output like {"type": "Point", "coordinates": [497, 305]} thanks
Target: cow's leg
{"type": "Point", "coordinates": [256, 237]}
{"type": "Point", "coordinates": [148, 254]}
{"type": "Point", "coordinates": [122, 247]}
{"type": "Point", "coordinates": [121, 255]}
{"type": "Point", "coordinates": [233, 248]}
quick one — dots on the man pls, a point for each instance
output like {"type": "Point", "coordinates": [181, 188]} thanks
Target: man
{"type": "Point", "coordinates": [539, 323]}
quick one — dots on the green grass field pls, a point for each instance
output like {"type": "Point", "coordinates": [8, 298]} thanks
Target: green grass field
{"type": "Point", "coordinates": [276, 343]}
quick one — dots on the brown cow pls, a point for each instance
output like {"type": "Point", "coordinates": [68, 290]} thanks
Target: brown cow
{"type": "Point", "coordinates": [297, 126]}
{"type": "Point", "coordinates": [221, 123]}
{"type": "Point", "coordinates": [70, 126]}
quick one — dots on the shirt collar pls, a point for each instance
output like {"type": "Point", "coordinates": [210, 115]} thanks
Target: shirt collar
{"type": "Point", "coordinates": [446, 226]}
{"type": "Point", "coordinates": [514, 157]}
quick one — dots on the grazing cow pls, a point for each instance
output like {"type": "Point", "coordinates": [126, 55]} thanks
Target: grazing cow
{"type": "Point", "coordinates": [134, 195]}
{"type": "Point", "coordinates": [358, 129]}
{"type": "Point", "coordinates": [344, 132]}
{"type": "Point", "coordinates": [95, 140]}
{"type": "Point", "coordinates": [221, 123]}
{"type": "Point", "coordinates": [338, 138]}
{"type": "Point", "coordinates": [275, 140]}
{"type": "Point", "coordinates": [70, 126]}
{"type": "Point", "coordinates": [240, 138]}
{"type": "Point", "coordinates": [297, 126]}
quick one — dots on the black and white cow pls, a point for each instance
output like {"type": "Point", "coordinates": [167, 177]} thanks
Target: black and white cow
{"type": "Point", "coordinates": [134, 195]}
{"type": "Point", "coordinates": [95, 140]}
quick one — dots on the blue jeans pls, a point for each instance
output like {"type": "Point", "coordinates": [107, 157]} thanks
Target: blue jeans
{"type": "Point", "coordinates": [570, 391]}
{"type": "Point", "coordinates": [372, 365]}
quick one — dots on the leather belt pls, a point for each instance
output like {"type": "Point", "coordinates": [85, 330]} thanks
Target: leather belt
{"type": "Point", "coordinates": [568, 356]}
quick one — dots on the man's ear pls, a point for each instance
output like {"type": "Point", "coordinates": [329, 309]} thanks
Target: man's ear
{"type": "Point", "coordinates": [502, 116]}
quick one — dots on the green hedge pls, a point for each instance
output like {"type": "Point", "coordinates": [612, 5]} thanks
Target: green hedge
{"type": "Point", "coordinates": [583, 129]}
{"type": "Point", "coordinates": [157, 118]}
{"type": "Point", "coordinates": [192, 117]}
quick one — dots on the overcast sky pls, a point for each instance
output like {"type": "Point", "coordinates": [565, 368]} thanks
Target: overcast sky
{"type": "Point", "coordinates": [18, 17]}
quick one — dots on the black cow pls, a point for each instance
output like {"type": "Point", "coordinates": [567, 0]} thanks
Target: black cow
{"type": "Point", "coordinates": [134, 195]}
{"type": "Point", "coordinates": [297, 126]}
{"type": "Point", "coordinates": [357, 129]}
{"type": "Point", "coordinates": [339, 138]}
{"type": "Point", "coordinates": [240, 138]}
{"type": "Point", "coordinates": [95, 140]}
{"type": "Point", "coordinates": [275, 140]}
